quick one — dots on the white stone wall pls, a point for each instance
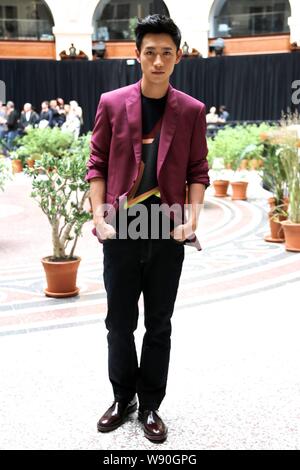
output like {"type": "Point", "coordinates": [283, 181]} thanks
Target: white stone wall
{"type": "Point", "coordinates": [294, 21]}
{"type": "Point", "coordinates": [73, 22]}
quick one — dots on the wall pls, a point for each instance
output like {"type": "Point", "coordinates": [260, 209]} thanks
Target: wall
{"type": "Point", "coordinates": [27, 50]}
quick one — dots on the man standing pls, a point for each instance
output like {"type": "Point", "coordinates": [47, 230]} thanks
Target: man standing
{"type": "Point", "coordinates": [12, 122]}
{"type": "Point", "coordinates": [148, 143]}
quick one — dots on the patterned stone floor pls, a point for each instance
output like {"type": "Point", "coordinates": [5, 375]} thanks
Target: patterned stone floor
{"type": "Point", "coordinates": [234, 374]}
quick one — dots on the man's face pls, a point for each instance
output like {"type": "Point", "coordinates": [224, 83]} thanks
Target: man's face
{"type": "Point", "coordinates": [158, 57]}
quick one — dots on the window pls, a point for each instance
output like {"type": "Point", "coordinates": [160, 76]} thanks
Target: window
{"type": "Point", "coordinates": [116, 19]}
{"type": "Point", "coordinates": [251, 18]}
{"type": "Point", "coordinates": [25, 19]}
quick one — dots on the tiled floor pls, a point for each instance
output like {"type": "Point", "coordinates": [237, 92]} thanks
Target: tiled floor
{"type": "Point", "coordinates": [234, 375]}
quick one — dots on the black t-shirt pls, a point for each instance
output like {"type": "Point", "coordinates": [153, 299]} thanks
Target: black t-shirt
{"type": "Point", "coordinates": [152, 114]}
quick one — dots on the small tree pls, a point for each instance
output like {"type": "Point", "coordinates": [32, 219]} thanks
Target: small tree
{"type": "Point", "coordinates": [61, 192]}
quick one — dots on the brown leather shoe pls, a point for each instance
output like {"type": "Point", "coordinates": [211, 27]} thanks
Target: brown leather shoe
{"type": "Point", "coordinates": [116, 415]}
{"type": "Point", "coordinates": [154, 428]}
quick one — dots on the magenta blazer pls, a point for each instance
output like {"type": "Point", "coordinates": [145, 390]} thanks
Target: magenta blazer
{"type": "Point", "coordinates": [116, 146]}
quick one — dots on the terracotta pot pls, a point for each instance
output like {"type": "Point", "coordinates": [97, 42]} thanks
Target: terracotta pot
{"type": "Point", "coordinates": [243, 164]}
{"type": "Point", "coordinates": [292, 235]}
{"type": "Point", "coordinates": [17, 166]}
{"type": "Point", "coordinates": [61, 277]}
{"type": "Point", "coordinates": [30, 162]}
{"type": "Point", "coordinates": [277, 233]}
{"type": "Point", "coordinates": [254, 164]}
{"type": "Point", "coordinates": [239, 190]}
{"type": "Point", "coordinates": [221, 187]}
{"type": "Point", "coordinates": [260, 163]}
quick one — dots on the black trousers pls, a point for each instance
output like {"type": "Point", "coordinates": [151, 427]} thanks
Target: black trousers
{"type": "Point", "coordinates": [130, 268]}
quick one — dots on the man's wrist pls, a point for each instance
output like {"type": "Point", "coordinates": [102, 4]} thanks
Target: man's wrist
{"type": "Point", "coordinates": [99, 219]}
{"type": "Point", "coordinates": [99, 212]}
{"type": "Point", "coordinates": [191, 225]}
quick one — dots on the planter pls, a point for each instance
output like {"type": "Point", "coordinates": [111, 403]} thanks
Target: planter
{"type": "Point", "coordinates": [61, 277]}
{"type": "Point", "coordinates": [221, 187]}
{"type": "Point", "coordinates": [17, 166]}
{"type": "Point", "coordinates": [239, 190]}
{"type": "Point", "coordinates": [30, 162]}
{"type": "Point", "coordinates": [277, 233]}
{"type": "Point", "coordinates": [260, 163]}
{"type": "Point", "coordinates": [292, 235]}
{"type": "Point", "coordinates": [254, 164]}
{"type": "Point", "coordinates": [243, 164]}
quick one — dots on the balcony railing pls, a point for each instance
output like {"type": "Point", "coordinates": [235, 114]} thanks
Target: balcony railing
{"type": "Point", "coordinates": [113, 29]}
{"type": "Point", "coordinates": [26, 29]}
{"type": "Point", "coordinates": [251, 24]}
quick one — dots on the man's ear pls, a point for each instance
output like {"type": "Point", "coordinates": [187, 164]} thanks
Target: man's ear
{"type": "Point", "coordinates": [137, 53]}
{"type": "Point", "coordinates": [179, 56]}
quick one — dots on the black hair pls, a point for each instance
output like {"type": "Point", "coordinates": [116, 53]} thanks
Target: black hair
{"type": "Point", "coordinates": [157, 24]}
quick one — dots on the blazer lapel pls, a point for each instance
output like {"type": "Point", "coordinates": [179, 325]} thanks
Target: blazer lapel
{"type": "Point", "coordinates": [134, 115]}
{"type": "Point", "coordinates": [168, 127]}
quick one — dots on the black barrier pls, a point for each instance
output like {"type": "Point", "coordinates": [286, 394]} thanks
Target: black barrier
{"type": "Point", "coordinates": [254, 87]}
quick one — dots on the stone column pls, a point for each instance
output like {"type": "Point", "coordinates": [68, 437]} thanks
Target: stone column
{"type": "Point", "coordinates": [294, 21]}
{"type": "Point", "coordinates": [192, 19]}
{"type": "Point", "coordinates": [73, 24]}
{"type": "Point", "coordinates": [67, 34]}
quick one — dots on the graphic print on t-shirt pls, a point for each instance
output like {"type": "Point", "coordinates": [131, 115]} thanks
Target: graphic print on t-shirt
{"type": "Point", "coordinates": [146, 184]}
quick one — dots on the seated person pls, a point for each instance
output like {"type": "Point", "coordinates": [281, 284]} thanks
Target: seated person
{"type": "Point", "coordinates": [212, 117]}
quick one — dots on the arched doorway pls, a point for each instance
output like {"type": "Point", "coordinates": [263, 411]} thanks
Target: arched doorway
{"type": "Point", "coordinates": [116, 20]}
{"type": "Point", "coordinates": [234, 18]}
{"type": "Point", "coordinates": [25, 20]}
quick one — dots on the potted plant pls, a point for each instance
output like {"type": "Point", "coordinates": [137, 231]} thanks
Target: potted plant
{"type": "Point", "coordinates": [252, 153]}
{"type": "Point", "coordinates": [289, 153]}
{"type": "Point", "coordinates": [230, 144]}
{"type": "Point", "coordinates": [17, 161]}
{"type": "Point", "coordinates": [249, 148]}
{"type": "Point", "coordinates": [219, 177]}
{"type": "Point", "coordinates": [61, 193]}
{"type": "Point", "coordinates": [239, 185]}
{"type": "Point", "coordinates": [274, 180]}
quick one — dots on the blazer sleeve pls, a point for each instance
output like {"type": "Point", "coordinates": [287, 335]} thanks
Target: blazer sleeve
{"type": "Point", "coordinates": [100, 144]}
{"type": "Point", "coordinates": [197, 171]}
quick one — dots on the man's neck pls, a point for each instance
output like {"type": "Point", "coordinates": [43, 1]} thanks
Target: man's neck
{"type": "Point", "coordinates": [151, 90]}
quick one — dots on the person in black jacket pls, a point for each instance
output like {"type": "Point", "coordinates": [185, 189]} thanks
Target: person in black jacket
{"type": "Point", "coordinates": [45, 115]}
{"type": "Point", "coordinates": [12, 122]}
